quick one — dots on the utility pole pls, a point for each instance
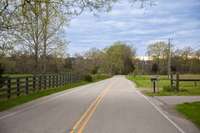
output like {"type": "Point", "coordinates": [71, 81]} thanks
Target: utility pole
{"type": "Point", "coordinates": [169, 57]}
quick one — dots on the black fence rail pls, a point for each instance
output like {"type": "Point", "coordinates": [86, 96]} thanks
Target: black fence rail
{"type": "Point", "coordinates": [16, 86]}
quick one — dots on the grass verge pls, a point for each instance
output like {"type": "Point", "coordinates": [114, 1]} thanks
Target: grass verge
{"type": "Point", "coordinates": [7, 104]}
{"type": "Point", "coordinates": [191, 111]}
{"type": "Point", "coordinates": [145, 85]}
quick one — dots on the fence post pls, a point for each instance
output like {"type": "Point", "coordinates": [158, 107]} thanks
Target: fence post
{"type": "Point", "coordinates": [45, 81]}
{"type": "Point", "coordinates": [56, 80]}
{"type": "Point", "coordinates": [49, 81]}
{"type": "Point", "coordinates": [71, 78]}
{"type": "Point", "coordinates": [40, 80]}
{"type": "Point", "coordinates": [177, 81]}
{"type": "Point", "coordinates": [63, 79]}
{"type": "Point", "coordinates": [60, 78]}
{"type": "Point", "coordinates": [18, 86]}
{"type": "Point", "coordinates": [9, 88]}
{"type": "Point", "coordinates": [53, 81]}
{"type": "Point", "coordinates": [26, 86]}
{"type": "Point", "coordinates": [34, 80]}
{"type": "Point", "coordinates": [171, 80]}
{"type": "Point", "coordinates": [68, 77]}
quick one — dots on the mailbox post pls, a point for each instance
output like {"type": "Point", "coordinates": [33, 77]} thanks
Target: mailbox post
{"type": "Point", "coordinates": [154, 80]}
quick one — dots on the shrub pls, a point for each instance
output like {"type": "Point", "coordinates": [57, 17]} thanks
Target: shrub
{"type": "Point", "coordinates": [88, 78]}
{"type": "Point", "coordinates": [100, 76]}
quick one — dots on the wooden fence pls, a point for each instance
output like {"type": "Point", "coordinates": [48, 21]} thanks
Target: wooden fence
{"type": "Point", "coordinates": [175, 81]}
{"type": "Point", "coordinates": [16, 86]}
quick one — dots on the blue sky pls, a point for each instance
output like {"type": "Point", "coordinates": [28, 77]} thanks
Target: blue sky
{"type": "Point", "coordinates": [177, 19]}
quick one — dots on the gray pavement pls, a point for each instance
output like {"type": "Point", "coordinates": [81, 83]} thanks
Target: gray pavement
{"type": "Point", "coordinates": [122, 110]}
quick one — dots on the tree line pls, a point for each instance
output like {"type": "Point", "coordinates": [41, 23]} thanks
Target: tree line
{"type": "Point", "coordinates": [115, 59]}
{"type": "Point", "coordinates": [31, 31]}
{"type": "Point", "coordinates": [183, 60]}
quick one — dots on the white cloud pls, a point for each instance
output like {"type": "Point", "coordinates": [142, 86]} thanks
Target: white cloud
{"type": "Point", "coordinates": [177, 19]}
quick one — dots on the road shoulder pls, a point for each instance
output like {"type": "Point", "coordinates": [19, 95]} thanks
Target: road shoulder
{"type": "Point", "coordinates": [168, 106]}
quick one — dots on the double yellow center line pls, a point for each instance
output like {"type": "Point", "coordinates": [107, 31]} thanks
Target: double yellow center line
{"type": "Point", "coordinates": [82, 122]}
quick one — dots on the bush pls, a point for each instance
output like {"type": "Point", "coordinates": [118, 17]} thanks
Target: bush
{"type": "Point", "coordinates": [100, 76]}
{"type": "Point", "coordinates": [167, 89]}
{"type": "Point", "coordinates": [88, 78]}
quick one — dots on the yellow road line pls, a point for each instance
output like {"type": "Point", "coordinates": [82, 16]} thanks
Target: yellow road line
{"type": "Point", "coordinates": [82, 122]}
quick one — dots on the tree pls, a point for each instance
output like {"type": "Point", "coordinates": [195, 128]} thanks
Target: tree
{"type": "Point", "coordinates": [6, 46]}
{"type": "Point", "coordinates": [155, 68]}
{"type": "Point", "coordinates": [118, 58]}
{"type": "Point", "coordinates": [197, 54]}
{"type": "Point", "coordinates": [159, 51]}
{"type": "Point", "coordinates": [81, 66]}
{"type": "Point", "coordinates": [9, 8]}
{"type": "Point", "coordinates": [35, 23]}
{"type": "Point", "coordinates": [95, 57]}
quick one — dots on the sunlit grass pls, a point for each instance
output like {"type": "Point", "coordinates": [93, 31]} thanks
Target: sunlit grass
{"type": "Point", "coordinates": [145, 85]}
{"type": "Point", "coordinates": [191, 111]}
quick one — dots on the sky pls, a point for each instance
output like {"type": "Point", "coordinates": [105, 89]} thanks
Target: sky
{"type": "Point", "coordinates": [175, 19]}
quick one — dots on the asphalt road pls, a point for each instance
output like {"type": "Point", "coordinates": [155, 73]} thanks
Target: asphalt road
{"type": "Point", "coordinates": [109, 106]}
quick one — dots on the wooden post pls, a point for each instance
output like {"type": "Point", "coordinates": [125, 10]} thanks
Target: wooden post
{"type": "Point", "coordinates": [18, 86]}
{"type": "Point", "coordinates": [171, 80]}
{"type": "Point", "coordinates": [34, 81]}
{"type": "Point", "coordinates": [154, 86]}
{"type": "Point", "coordinates": [53, 80]}
{"type": "Point", "coordinates": [63, 79]}
{"type": "Point", "coordinates": [56, 80]}
{"type": "Point", "coordinates": [49, 81]}
{"type": "Point", "coordinates": [9, 88]}
{"type": "Point", "coordinates": [60, 78]}
{"type": "Point", "coordinates": [177, 81]}
{"type": "Point", "coordinates": [45, 81]}
{"type": "Point", "coordinates": [68, 77]}
{"type": "Point", "coordinates": [40, 84]}
{"type": "Point", "coordinates": [62, 83]}
{"type": "Point", "coordinates": [26, 86]}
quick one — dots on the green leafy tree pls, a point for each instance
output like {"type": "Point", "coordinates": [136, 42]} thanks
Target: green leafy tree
{"type": "Point", "coordinates": [119, 58]}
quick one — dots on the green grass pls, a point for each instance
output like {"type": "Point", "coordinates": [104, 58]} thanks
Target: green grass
{"type": "Point", "coordinates": [145, 85]}
{"type": "Point", "coordinates": [191, 111]}
{"type": "Point", "coordinates": [6, 104]}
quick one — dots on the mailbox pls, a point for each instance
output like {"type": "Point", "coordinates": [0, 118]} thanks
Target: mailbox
{"type": "Point", "coordinates": [154, 80]}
